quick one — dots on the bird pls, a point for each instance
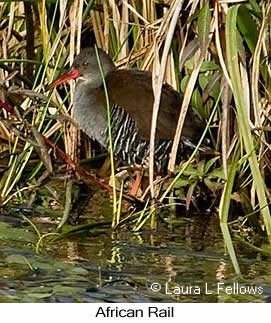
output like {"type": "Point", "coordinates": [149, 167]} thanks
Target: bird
{"type": "Point", "coordinates": [131, 101]}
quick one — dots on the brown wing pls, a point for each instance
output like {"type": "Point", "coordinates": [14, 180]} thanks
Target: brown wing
{"type": "Point", "coordinates": [132, 90]}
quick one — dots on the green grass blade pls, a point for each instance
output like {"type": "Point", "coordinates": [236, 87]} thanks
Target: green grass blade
{"type": "Point", "coordinates": [242, 116]}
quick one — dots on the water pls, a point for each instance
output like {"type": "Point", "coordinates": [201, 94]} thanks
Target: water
{"type": "Point", "coordinates": [183, 264]}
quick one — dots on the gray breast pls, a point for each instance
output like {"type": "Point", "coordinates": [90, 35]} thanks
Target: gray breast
{"type": "Point", "coordinates": [90, 117]}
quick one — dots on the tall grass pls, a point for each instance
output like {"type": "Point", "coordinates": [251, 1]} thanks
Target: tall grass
{"type": "Point", "coordinates": [215, 53]}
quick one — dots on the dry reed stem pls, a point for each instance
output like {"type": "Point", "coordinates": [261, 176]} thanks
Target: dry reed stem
{"type": "Point", "coordinates": [79, 25]}
{"type": "Point", "coordinates": [124, 31]}
{"type": "Point", "coordinates": [62, 12]}
{"type": "Point", "coordinates": [225, 124]}
{"type": "Point", "coordinates": [106, 27]}
{"type": "Point", "coordinates": [219, 47]}
{"type": "Point", "coordinates": [96, 23]}
{"type": "Point", "coordinates": [256, 69]}
{"type": "Point", "coordinates": [177, 6]}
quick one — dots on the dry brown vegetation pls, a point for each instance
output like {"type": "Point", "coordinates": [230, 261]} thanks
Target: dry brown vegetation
{"type": "Point", "coordinates": [215, 52]}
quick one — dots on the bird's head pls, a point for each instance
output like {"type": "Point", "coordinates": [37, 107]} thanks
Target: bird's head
{"type": "Point", "coordinates": [86, 68]}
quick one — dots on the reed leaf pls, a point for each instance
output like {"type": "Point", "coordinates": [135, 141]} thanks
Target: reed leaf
{"type": "Point", "coordinates": [242, 116]}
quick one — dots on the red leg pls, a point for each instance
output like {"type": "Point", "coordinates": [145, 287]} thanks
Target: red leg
{"type": "Point", "coordinates": [136, 184]}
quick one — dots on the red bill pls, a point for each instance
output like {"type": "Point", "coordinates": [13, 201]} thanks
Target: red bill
{"type": "Point", "coordinates": [71, 75]}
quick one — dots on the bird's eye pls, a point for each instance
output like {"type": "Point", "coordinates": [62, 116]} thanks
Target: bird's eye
{"type": "Point", "coordinates": [85, 63]}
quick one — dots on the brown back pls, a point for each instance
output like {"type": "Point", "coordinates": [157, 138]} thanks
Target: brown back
{"type": "Point", "coordinates": [132, 90]}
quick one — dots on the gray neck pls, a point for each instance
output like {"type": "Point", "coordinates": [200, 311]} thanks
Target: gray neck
{"type": "Point", "coordinates": [90, 81]}
{"type": "Point", "coordinates": [90, 116]}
